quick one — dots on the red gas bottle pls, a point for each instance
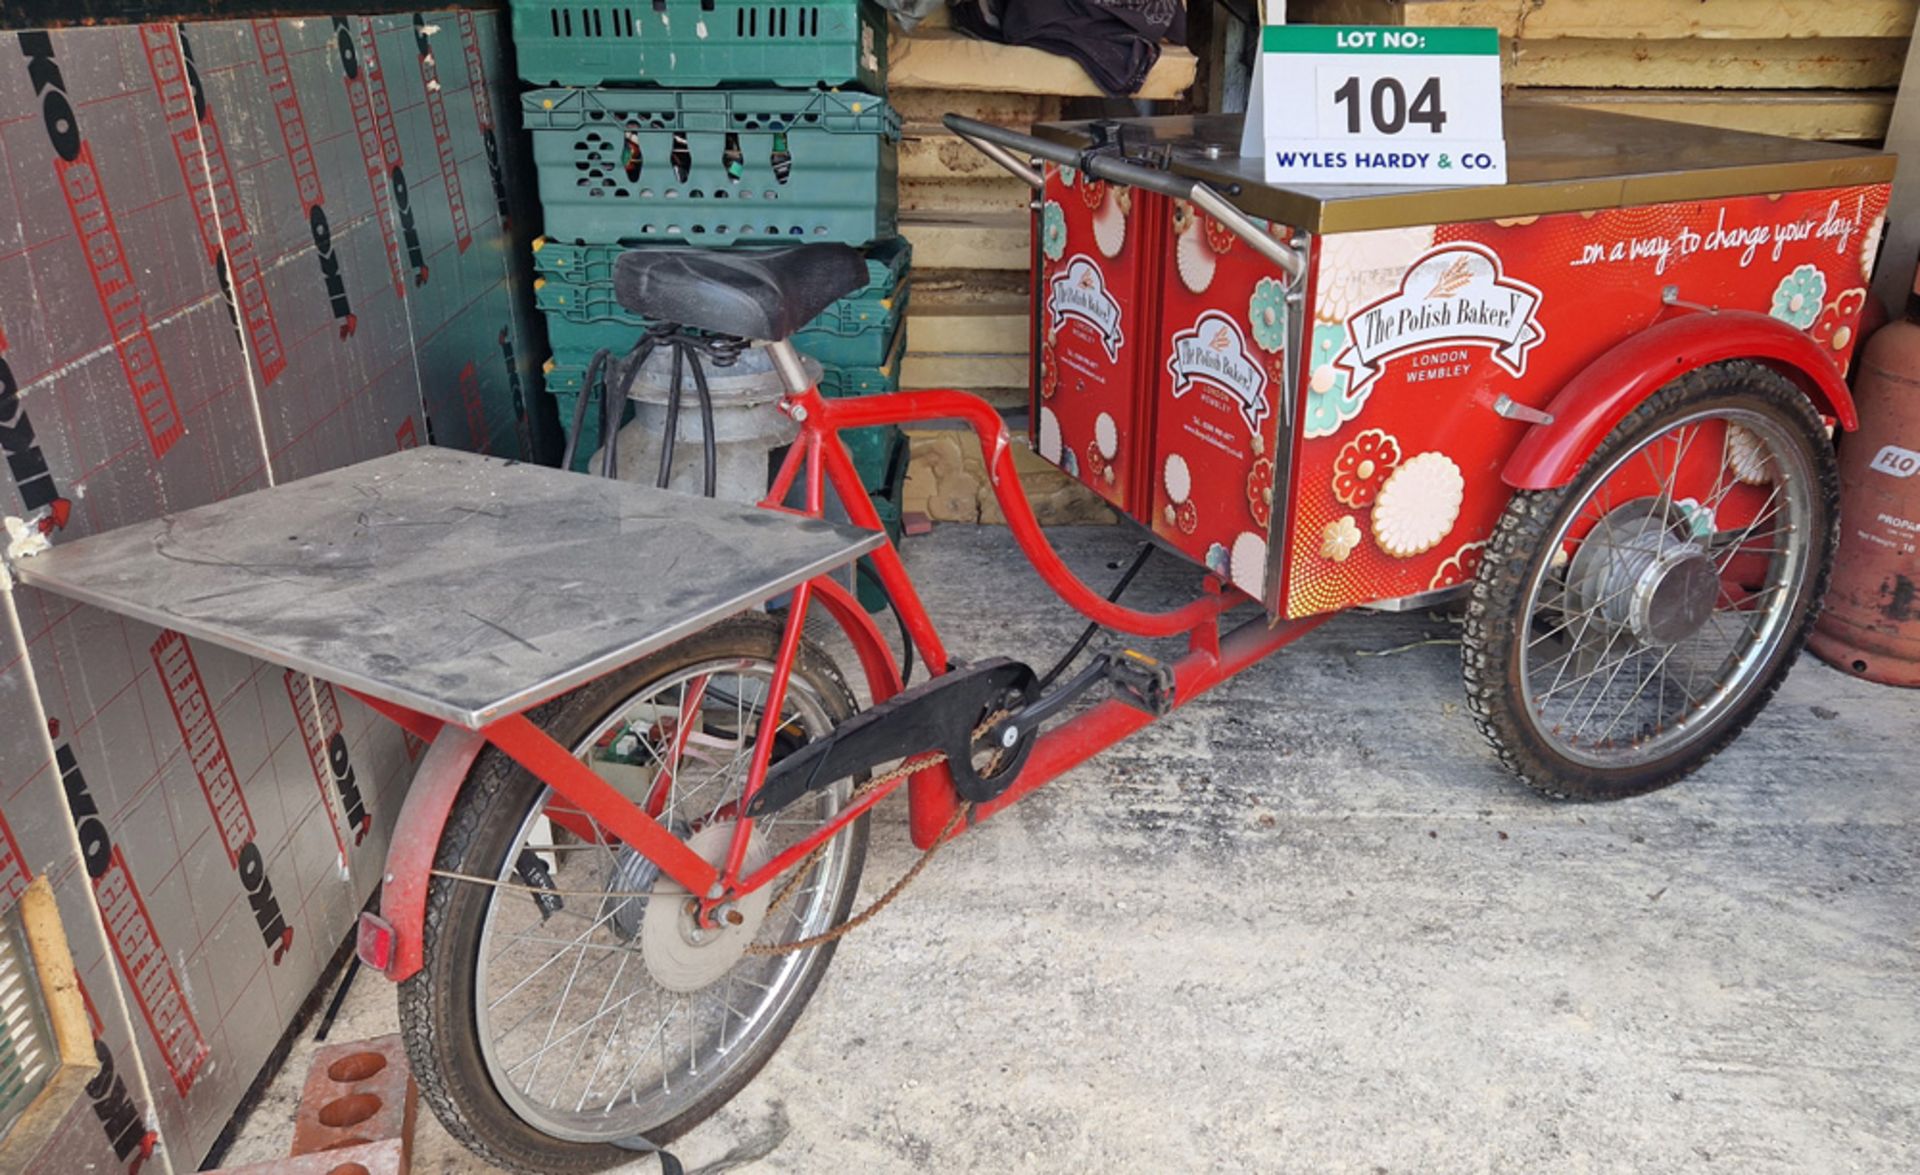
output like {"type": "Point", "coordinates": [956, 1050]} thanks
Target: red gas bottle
{"type": "Point", "coordinates": [1871, 625]}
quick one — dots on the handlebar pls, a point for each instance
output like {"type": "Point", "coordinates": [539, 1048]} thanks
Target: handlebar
{"type": "Point", "coordinates": [999, 144]}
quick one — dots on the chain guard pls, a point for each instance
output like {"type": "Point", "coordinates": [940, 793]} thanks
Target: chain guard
{"type": "Point", "coordinates": [940, 714]}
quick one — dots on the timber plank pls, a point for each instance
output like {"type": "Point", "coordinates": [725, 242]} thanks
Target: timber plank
{"type": "Point", "coordinates": [993, 240]}
{"type": "Point", "coordinates": [991, 193]}
{"type": "Point", "coordinates": [1827, 63]}
{"type": "Point", "coordinates": [1629, 19]}
{"type": "Point", "coordinates": [928, 106]}
{"type": "Point", "coordinates": [1802, 114]}
{"type": "Point", "coordinates": [927, 151]}
{"type": "Point", "coordinates": [969, 330]}
{"type": "Point", "coordinates": [941, 59]}
{"type": "Point", "coordinates": [920, 370]}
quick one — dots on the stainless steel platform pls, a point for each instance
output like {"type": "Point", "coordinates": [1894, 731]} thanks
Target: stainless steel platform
{"type": "Point", "coordinates": [461, 586]}
{"type": "Point", "coordinates": [1559, 159]}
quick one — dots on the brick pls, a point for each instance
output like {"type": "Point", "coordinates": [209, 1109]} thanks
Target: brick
{"type": "Point", "coordinates": [357, 1093]}
{"type": "Point", "coordinates": [386, 1157]}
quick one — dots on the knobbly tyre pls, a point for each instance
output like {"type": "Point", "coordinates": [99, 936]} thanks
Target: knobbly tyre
{"type": "Point", "coordinates": [1594, 401]}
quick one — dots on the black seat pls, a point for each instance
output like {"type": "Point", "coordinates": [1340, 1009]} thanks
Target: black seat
{"type": "Point", "coordinates": [764, 294]}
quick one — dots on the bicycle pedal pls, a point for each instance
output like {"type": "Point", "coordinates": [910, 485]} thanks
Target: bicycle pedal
{"type": "Point", "coordinates": [1143, 682]}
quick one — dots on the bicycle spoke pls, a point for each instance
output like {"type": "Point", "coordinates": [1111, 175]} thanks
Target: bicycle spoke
{"type": "Point", "coordinates": [575, 1027]}
{"type": "Point", "coordinates": [1611, 669]}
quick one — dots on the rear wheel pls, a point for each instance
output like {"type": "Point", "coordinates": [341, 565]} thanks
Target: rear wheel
{"type": "Point", "coordinates": [567, 1004]}
{"type": "Point", "coordinates": [1625, 627]}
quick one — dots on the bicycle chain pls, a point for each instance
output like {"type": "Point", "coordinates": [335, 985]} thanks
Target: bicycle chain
{"type": "Point", "coordinates": [880, 903]}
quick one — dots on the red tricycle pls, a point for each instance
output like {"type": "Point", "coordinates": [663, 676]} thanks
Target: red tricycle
{"type": "Point", "coordinates": [1594, 402]}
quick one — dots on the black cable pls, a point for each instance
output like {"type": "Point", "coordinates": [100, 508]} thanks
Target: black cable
{"type": "Point", "coordinates": [671, 434]}
{"type": "Point", "coordinates": [1086, 635]}
{"type": "Point", "coordinates": [616, 405]}
{"type": "Point", "coordinates": [906, 634]}
{"type": "Point", "coordinates": [596, 366]}
{"type": "Point", "coordinates": [711, 481]}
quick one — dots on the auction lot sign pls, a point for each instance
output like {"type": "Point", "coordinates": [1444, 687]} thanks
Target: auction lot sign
{"type": "Point", "coordinates": [1345, 104]}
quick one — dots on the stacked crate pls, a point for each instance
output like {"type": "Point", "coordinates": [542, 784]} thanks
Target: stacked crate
{"type": "Point", "coordinates": [733, 124]}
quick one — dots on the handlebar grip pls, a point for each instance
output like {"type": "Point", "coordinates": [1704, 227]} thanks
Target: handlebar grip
{"type": "Point", "coordinates": [1026, 144]}
{"type": "Point", "coordinates": [1109, 167]}
{"type": "Point", "coordinates": [1106, 167]}
{"type": "Point", "coordinates": [992, 139]}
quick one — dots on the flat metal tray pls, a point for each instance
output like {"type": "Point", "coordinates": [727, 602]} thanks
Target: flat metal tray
{"type": "Point", "coordinates": [460, 586]}
{"type": "Point", "coordinates": [1559, 159]}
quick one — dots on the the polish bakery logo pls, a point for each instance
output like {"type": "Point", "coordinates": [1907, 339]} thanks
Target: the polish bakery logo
{"type": "Point", "coordinates": [1213, 352]}
{"type": "Point", "coordinates": [1453, 296]}
{"type": "Point", "coordinates": [1079, 291]}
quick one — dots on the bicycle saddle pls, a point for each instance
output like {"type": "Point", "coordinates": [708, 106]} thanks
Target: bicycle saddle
{"type": "Point", "coordinates": [762, 294]}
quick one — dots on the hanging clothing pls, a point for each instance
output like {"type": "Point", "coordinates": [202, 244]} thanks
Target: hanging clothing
{"type": "Point", "coordinates": [911, 12]}
{"type": "Point", "coordinates": [1115, 41]}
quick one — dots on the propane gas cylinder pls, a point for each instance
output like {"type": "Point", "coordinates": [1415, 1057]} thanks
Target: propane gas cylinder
{"type": "Point", "coordinates": [1871, 625]}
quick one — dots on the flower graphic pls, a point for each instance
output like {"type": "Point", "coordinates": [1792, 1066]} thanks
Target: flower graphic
{"type": "Point", "coordinates": [1797, 299]}
{"type": "Point", "coordinates": [1217, 560]}
{"type": "Point", "coordinates": [1260, 492]}
{"type": "Point", "coordinates": [1748, 457]}
{"type": "Point", "coordinates": [1870, 245]}
{"type": "Point", "coordinates": [1698, 518]}
{"type": "Point", "coordinates": [1247, 563]}
{"type": "Point", "coordinates": [1067, 176]}
{"type": "Point", "coordinates": [1458, 567]}
{"type": "Point", "coordinates": [1267, 314]}
{"type": "Point", "coordinates": [1093, 193]}
{"type": "Point", "coordinates": [1328, 404]}
{"type": "Point", "coordinates": [1339, 538]}
{"type": "Point", "coordinates": [1049, 370]}
{"type": "Point", "coordinates": [1357, 268]}
{"type": "Point", "coordinates": [1194, 260]}
{"type": "Point", "coordinates": [1220, 238]}
{"type": "Point", "coordinates": [1186, 516]}
{"type": "Point", "coordinates": [1053, 231]}
{"type": "Point", "coordinates": [1418, 505]}
{"type": "Point", "coordinates": [1834, 327]}
{"type": "Point", "coordinates": [1362, 467]}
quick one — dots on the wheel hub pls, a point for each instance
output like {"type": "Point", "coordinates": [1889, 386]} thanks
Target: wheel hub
{"type": "Point", "coordinates": [633, 873]}
{"type": "Point", "coordinates": [1642, 572]}
{"type": "Point", "coordinates": [680, 954]}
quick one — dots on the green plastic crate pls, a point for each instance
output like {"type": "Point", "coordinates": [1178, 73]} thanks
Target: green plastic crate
{"type": "Point", "coordinates": [887, 262]}
{"type": "Point", "coordinates": [837, 382]}
{"type": "Point", "coordinates": [697, 43]}
{"type": "Point", "coordinates": [886, 499]}
{"type": "Point", "coordinates": [714, 167]}
{"type": "Point", "coordinates": [871, 449]}
{"type": "Point", "coordinates": [857, 330]}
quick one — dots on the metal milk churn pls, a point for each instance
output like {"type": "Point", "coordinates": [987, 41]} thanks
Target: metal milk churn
{"type": "Point", "coordinates": [747, 427]}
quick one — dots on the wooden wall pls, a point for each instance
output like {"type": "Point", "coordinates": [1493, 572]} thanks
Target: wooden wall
{"type": "Point", "coordinates": [969, 224]}
{"type": "Point", "coordinates": [968, 220]}
{"type": "Point", "coordinates": [1819, 69]}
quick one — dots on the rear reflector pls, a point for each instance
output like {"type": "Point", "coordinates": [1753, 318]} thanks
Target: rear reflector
{"type": "Point", "coordinates": [374, 942]}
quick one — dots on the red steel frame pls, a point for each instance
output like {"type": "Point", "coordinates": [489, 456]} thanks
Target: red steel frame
{"type": "Point", "coordinates": [1548, 455]}
{"type": "Point", "coordinates": [821, 458]}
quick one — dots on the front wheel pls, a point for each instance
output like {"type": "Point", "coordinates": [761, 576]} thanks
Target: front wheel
{"type": "Point", "coordinates": [1623, 628]}
{"type": "Point", "coordinates": [563, 1008]}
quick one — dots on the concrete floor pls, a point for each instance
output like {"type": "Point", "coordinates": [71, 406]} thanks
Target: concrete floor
{"type": "Point", "coordinates": [1307, 924]}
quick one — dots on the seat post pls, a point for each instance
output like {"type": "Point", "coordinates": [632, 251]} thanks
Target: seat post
{"type": "Point", "coordinates": [786, 361]}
